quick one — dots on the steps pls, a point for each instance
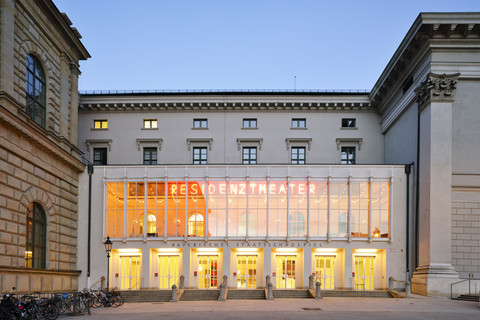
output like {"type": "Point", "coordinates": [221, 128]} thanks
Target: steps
{"type": "Point", "coordinates": [467, 297]}
{"type": "Point", "coordinates": [291, 294]}
{"type": "Point", "coordinates": [240, 294]}
{"type": "Point", "coordinates": [355, 293]}
{"type": "Point", "coordinates": [200, 295]}
{"type": "Point", "coordinates": [146, 295]}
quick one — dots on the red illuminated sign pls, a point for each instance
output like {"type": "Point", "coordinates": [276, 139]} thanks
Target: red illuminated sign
{"type": "Point", "coordinates": [242, 188]}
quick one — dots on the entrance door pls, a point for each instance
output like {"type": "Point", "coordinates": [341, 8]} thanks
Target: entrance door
{"type": "Point", "coordinates": [247, 272]}
{"type": "Point", "coordinates": [325, 271]}
{"type": "Point", "coordinates": [207, 272]}
{"type": "Point", "coordinates": [130, 272]}
{"type": "Point", "coordinates": [364, 273]}
{"type": "Point", "coordinates": [168, 271]}
{"type": "Point", "coordinates": [286, 272]}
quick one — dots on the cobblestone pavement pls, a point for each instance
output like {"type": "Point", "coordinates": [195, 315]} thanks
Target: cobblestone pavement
{"type": "Point", "coordinates": [418, 307]}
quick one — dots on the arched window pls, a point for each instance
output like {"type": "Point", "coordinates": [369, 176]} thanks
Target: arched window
{"type": "Point", "coordinates": [36, 237]}
{"type": "Point", "coordinates": [196, 225]}
{"type": "Point", "coordinates": [35, 91]}
{"type": "Point", "coordinates": [296, 224]}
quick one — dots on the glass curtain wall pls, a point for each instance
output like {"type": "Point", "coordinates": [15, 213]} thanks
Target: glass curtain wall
{"type": "Point", "coordinates": [254, 209]}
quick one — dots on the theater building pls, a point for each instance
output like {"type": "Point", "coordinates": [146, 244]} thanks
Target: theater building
{"type": "Point", "coordinates": [237, 188]}
{"type": "Point", "coordinates": [350, 187]}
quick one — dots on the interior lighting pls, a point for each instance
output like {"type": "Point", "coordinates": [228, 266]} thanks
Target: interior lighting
{"type": "Point", "coordinates": [330, 250]}
{"type": "Point", "coordinates": [128, 250]}
{"type": "Point", "coordinates": [366, 251]}
{"type": "Point", "coordinates": [207, 249]}
{"type": "Point", "coordinates": [247, 249]}
{"type": "Point", "coordinates": [287, 249]}
{"type": "Point", "coordinates": [168, 250]}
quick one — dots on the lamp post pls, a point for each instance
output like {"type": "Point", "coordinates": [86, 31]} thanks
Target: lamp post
{"type": "Point", "coordinates": [108, 248]}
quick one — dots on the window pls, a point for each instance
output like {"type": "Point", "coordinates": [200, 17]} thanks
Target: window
{"type": "Point", "coordinates": [249, 123]}
{"type": "Point", "coordinates": [299, 123]}
{"type": "Point", "coordinates": [298, 155]}
{"type": "Point", "coordinates": [349, 123]}
{"type": "Point", "coordinates": [196, 225]}
{"type": "Point", "coordinates": [200, 123]}
{"type": "Point", "coordinates": [149, 156]}
{"type": "Point", "coordinates": [36, 237]}
{"type": "Point", "coordinates": [150, 124]}
{"type": "Point", "coordinates": [100, 124]}
{"type": "Point", "coordinates": [35, 85]}
{"type": "Point", "coordinates": [348, 155]}
{"type": "Point", "coordinates": [296, 224]}
{"type": "Point", "coordinates": [200, 155]}
{"type": "Point", "coordinates": [249, 155]}
{"type": "Point", "coordinates": [99, 156]}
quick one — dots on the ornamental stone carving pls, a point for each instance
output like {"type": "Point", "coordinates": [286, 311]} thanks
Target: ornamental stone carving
{"type": "Point", "coordinates": [437, 88]}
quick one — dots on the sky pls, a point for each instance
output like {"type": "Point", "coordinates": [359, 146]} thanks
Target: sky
{"type": "Point", "coordinates": [242, 44]}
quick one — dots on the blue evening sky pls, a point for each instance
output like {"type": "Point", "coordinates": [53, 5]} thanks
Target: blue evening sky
{"type": "Point", "coordinates": [242, 44]}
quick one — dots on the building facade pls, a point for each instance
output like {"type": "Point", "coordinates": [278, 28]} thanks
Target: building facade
{"type": "Point", "coordinates": [39, 159]}
{"type": "Point", "coordinates": [171, 154]}
{"type": "Point", "coordinates": [205, 186]}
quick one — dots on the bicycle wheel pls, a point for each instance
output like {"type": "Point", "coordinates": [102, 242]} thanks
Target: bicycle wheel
{"type": "Point", "coordinates": [50, 311]}
{"type": "Point", "coordinates": [96, 303]}
{"type": "Point", "coordinates": [121, 299]}
{"type": "Point", "coordinates": [114, 301]}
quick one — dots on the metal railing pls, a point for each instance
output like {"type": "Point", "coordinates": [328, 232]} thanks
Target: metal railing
{"type": "Point", "coordinates": [470, 279]}
{"type": "Point", "coordinates": [107, 92]}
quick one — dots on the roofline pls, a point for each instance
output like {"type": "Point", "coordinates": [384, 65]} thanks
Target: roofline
{"type": "Point", "coordinates": [246, 92]}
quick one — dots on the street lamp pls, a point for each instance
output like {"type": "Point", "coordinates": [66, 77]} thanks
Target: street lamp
{"type": "Point", "coordinates": [108, 248]}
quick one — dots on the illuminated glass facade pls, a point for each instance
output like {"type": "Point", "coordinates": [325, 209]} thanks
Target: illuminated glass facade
{"type": "Point", "coordinates": [254, 209]}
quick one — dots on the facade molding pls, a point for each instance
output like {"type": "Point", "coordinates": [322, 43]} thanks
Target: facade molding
{"type": "Point", "coordinates": [91, 142]}
{"type": "Point", "coordinates": [357, 141]}
{"type": "Point", "coordinates": [257, 141]}
{"type": "Point", "coordinates": [305, 141]}
{"type": "Point", "coordinates": [437, 88]}
{"type": "Point", "coordinates": [157, 142]}
{"type": "Point", "coordinates": [207, 141]}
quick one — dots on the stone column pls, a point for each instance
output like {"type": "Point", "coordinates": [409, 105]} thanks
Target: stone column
{"type": "Point", "coordinates": [226, 268]}
{"type": "Point", "coordinates": [435, 100]}
{"type": "Point", "coordinates": [145, 284]}
{"type": "Point", "coordinates": [307, 266]}
{"type": "Point", "coordinates": [267, 264]}
{"type": "Point", "coordinates": [348, 268]}
{"type": "Point", "coordinates": [186, 272]}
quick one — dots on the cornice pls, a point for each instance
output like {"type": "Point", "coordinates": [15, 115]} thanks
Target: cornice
{"type": "Point", "coordinates": [430, 30]}
{"type": "Point", "coordinates": [220, 102]}
{"type": "Point", "coordinates": [437, 88]}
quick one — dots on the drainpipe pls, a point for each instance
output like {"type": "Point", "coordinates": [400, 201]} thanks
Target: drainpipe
{"type": "Point", "coordinates": [90, 172]}
{"type": "Point", "coordinates": [408, 169]}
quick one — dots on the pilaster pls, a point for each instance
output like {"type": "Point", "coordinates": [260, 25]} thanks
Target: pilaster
{"type": "Point", "coordinates": [435, 271]}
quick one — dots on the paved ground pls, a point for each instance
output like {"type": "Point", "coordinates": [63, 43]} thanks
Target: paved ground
{"type": "Point", "coordinates": [418, 307]}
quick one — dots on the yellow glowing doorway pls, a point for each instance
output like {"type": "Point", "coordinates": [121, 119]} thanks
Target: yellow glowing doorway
{"type": "Point", "coordinates": [168, 267]}
{"type": "Point", "coordinates": [130, 272]}
{"type": "Point", "coordinates": [325, 271]}
{"type": "Point", "coordinates": [286, 271]}
{"type": "Point", "coordinates": [207, 272]}
{"type": "Point", "coordinates": [365, 272]}
{"type": "Point", "coordinates": [247, 272]}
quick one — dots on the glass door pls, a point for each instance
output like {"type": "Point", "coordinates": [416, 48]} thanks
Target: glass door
{"type": "Point", "coordinates": [247, 272]}
{"type": "Point", "coordinates": [168, 271]}
{"type": "Point", "coordinates": [207, 272]}
{"type": "Point", "coordinates": [286, 271]}
{"type": "Point", "coordinates": [364, 272]}
{"type": "Point", "coordinates": [130, 272]}
{"type": "Point", "coordinates": [325, 271]}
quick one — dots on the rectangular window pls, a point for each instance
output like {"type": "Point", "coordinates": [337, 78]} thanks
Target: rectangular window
{"type": "Point", "coordinates": [249, 123]}
{"type": "Point", "coordinates": [348, 155]}
{"type": "Point", "coordinates": [100, 156]}
{"type": "Point", "coordinates": [100, 124]}
{"type": "Point", "coordinates": [200, 123]}
{"type": "Point", "coordinates": [149, 156]}
{"type": "Point", "coordinates": [299, 123]}
{"type": "Point", "coordinates": [298, 155]}
{"type": "Point", "coordinates": [200, 155]}
{"type": "Point", "coordinates": [349, 123]}
{"type": "Point", "coordinates": [150, 124]}
{"type": "Point", "coordinates": [249, 155]}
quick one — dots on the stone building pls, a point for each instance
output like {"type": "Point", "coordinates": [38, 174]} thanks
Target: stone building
{"type": "Point", "coordinates": [39, 158]}
{"type": "Point", "coordinates": [170, 167]}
